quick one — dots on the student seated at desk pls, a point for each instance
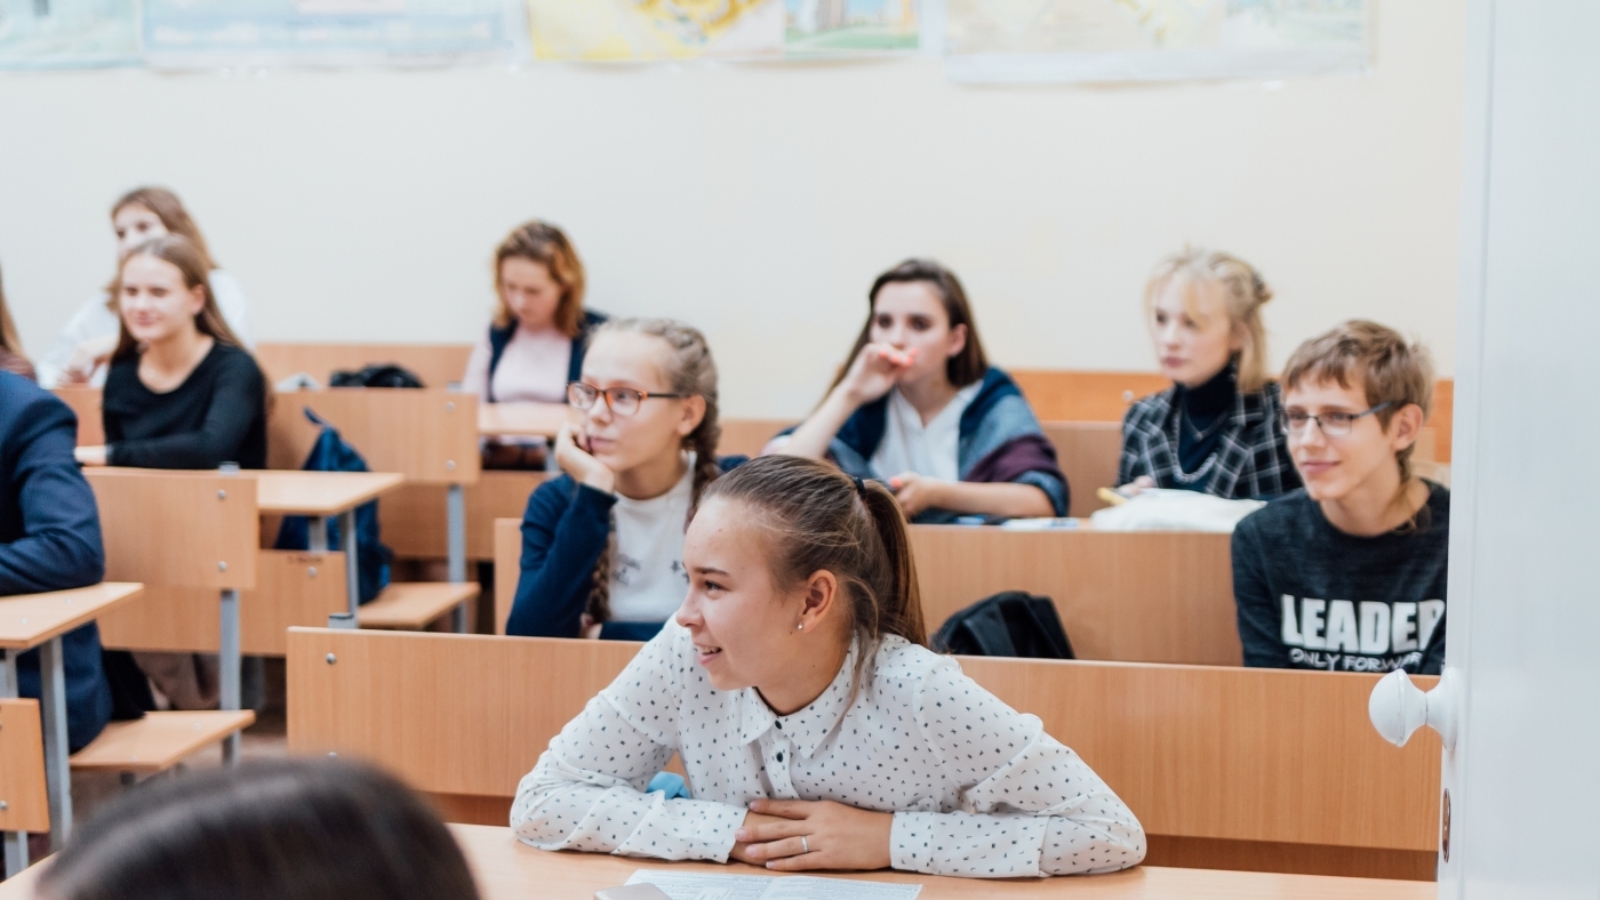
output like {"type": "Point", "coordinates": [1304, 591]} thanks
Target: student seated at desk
{"type": "Point", "coordinates": [919, 408]}
{"type": "Point", "coordinates": [80, 353]}
{"type": "Point", "coordinates": [816, 728]}
{"type": "Point", "coordinates": [1215, 430]}
{"type": "Point", "coordinates": [1348, 574]}
{"type": "Point", "coordinates": [181, 394]}
{"type": "Point", "coordinates": [11, 358]}
{"type": "Point", "coordinates": [602, 545]}
{"type": "Point", "coordinates": [50, 540]}
{"type": "Point", "coordinates": [269, 830]}
{"type": "Point", "coordinates": [534, 346]}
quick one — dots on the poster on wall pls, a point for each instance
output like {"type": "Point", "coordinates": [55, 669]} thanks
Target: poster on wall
{"type": "Point", "coordinates": [830, 28]}
{"type": "Point", "coordinates": [57, 34]}
{"type": "Point", "coordinates": [1023, 41]}
{"type": "Point", "coordinates": [212, 33]}
{"type": "Point", "coordinates": [645, 30]}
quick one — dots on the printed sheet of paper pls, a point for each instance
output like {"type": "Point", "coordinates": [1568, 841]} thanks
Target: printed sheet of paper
{"type": "Point", "coordinates": [693, 886]}
{"type": "Point", "coordinates": [1151, 40]}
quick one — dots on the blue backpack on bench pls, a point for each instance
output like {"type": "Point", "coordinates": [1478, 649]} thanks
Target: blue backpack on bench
{"type": "Point", "coordinates": [331, 454]}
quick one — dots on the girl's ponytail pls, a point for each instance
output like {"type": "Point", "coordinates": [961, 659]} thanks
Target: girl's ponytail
{"type": "Point", "coordinates": [900, 609]}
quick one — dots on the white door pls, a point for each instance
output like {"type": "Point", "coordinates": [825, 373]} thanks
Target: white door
{"type": "Point", "coordinates": [1524, 619]}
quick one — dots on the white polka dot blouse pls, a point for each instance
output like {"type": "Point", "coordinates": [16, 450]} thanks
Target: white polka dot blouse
{"type": "Point", "coordinates": [977, 788]}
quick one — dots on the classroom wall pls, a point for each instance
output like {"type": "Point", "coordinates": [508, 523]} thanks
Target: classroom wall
{"type": "Point", "coordinates": [759, 200]}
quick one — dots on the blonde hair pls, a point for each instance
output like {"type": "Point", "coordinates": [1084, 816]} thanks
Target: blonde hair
{"type": "Point", "coordinates": [689, 370]}
{"type": "Point", "coordinates": [547, 245]}
{"type": "Point", "coordinates": [1243, 294]}
{"type": "Point", "coordinates": [1390, 370]}
{"type": "Point", "coordinates": [8, 329]}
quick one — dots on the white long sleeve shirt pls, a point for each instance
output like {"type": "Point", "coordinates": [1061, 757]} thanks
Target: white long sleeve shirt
{"type": "Point", "coordinates": [94, 320]}
{"type": "Point", "coordinates": [976, 788]}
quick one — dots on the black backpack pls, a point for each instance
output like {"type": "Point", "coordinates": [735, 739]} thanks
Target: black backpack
{"type": "Point", "coordinates": [380, 375]}
{"type": "Point", "coordinates": [1014, 623]}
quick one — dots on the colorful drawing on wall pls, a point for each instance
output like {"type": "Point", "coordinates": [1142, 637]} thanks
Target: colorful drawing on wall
{"type": "Point", "coordinates": [841, 27]}
{"type": "Point", "coordinates": [54, 34]}
{"type": "Point", "coordinates": [193, 33]}
{"type": "Point", "coordinates": [1145, 40]}
{"type": "Point", "coordinates": [636, 30]}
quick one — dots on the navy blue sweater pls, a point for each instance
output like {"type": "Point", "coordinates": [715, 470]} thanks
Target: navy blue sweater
{"type": "Point", "coordinates": [50, 540]}
{"type": "Point", "coordinates": [564, 531]}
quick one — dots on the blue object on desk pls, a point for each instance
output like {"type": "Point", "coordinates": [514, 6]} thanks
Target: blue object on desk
{"type": "Point", "coordinates": [671, 783]}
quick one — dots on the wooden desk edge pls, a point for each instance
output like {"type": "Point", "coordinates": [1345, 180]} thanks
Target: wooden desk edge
{"type": "Point", "coordinates": [115, 592]}
{"type": "Point", "coordinates": [374, 488]}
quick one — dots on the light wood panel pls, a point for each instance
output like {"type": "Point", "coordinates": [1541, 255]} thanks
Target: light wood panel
{"type": "Point", "coordinates": [1133, 596]}
{"type": "Point", "coordinates": [429, 436]}
{"type": "Point", "coordinates": [414, 605]}
{"type": "Point", "coordinates": [294, 587]}
{"type": "Point", "coordinates": [508, 870]}
{"type": "Point", "coordinates": [1269, 856]}
{"type": "Point", "coordinates": [1235, 754]}
{"type": "Point", "coordinates": [1442, 418]}
{"type": "Point", "coordinates": [28, 620]}
{"type": "Point", "coordinates": [1088, 453]}
{"type": "Point", "coordinates": [746, 437]}
{"type": "Point", "coordinates": [1250, 756]}
{"type": "Point", "coordinates": [85, 402]}
{"type": "Point", "coordinates": [507, 568]}
{"type": "Point", "coordinates": [160, 740]}
{"type": "Point", "coordinates": [412, 519]}
{"type": "Point", "coordinates": [168, 528]}
{"type": "Point", "coordinates": [319, 493]}
{"type": "Point", "coordinates": [436, 364]}
{"type": "Point", "coordinates": [523, 419]}
{"type": "Point", "coordinates": [22, 784]}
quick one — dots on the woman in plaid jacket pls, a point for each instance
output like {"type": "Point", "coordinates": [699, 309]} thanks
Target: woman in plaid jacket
{"type": "Point", "coordinates": [1216, 429]}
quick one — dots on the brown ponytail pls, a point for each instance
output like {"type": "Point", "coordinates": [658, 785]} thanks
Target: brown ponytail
{"type": "Point", "coordinates": [689, 369]}
{"type": "Point", "coordinates": [820, 518]}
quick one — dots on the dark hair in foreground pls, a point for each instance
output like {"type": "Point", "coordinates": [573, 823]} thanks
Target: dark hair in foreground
{"type": "Point", "coordinates": [308, 829]}
{"type": "Point", "coordinates": [814, 517]}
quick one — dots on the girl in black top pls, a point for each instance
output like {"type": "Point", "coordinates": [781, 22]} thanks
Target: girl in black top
{"type": "Point", "coordinates": [181, 392]}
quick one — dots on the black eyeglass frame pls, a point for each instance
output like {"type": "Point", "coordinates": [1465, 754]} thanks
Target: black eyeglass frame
{"type": "Point", "coordinates": [608, 394]}
{"type": "Point", "coordinates": [1283, 421]}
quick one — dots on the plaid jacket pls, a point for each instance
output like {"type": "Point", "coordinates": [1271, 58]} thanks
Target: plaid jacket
{"type": "Point", "coordinates": [1253, 460]}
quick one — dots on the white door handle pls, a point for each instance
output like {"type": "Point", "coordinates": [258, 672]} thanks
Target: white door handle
{"type": "Point", "coordinates": [1398, 708]}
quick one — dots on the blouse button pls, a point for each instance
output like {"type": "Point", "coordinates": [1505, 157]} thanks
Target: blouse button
{"type": "Point", "coordinates": [780, 756]}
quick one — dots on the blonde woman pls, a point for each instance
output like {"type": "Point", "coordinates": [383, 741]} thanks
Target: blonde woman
{"type": "Point", "coordinates": [1215, 430]}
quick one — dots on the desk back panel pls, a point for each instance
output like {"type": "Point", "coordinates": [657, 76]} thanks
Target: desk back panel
{"type": "Point", "coordinates": [85, 402]}
{"type": "Point", "coordinates": [1127, 596]}
{"type": "Point", "coordinates": [746, 437]}
{"type": "Point", "coordinates": [1088, 453]}
{"type": "Point", "coordinates": [507, 568]}
{"type": "Point", "coordinates": [1249, 758]}
{"type": "Point", "coordinates": [413, 525]}
{"type": "Point", "coordinates": [22, 784]}
{"type": "Point", "coordinates": [169, 528]}
{"type": "Point", "coordinates": [436, 364]}
{"type": "Point", "coordinates": [430, 436]}
{"type": "Point", "coordinates": [293, 587]}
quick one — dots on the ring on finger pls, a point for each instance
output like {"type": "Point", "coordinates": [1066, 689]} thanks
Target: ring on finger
{"type": "Point", "coordinates": [805, 845]}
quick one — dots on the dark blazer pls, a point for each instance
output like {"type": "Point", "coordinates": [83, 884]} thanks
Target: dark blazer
{"type": "Point", "coordinates": [499, 338]}
{"type": "Point", "coordinates": [1253, 461]}
{"type": "Point", "coordinates": [50, 540]}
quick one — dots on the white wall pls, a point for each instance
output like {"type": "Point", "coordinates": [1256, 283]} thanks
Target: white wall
{"type": "Point", "coordinates": [758, 201]}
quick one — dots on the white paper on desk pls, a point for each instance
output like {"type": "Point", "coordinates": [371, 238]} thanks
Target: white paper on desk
{"type": "Point", "coordinates": [691, 886]}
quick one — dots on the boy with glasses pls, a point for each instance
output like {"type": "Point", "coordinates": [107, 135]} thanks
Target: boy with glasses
{"type": "Point", "coordinates": [1348, 574]}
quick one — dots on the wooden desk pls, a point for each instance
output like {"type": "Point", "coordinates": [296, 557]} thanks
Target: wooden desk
{"type": "Point", "coordinates": [436, 364]}
{"type": "Point", "coordinates": [533, 419]}
{"type": "Point", "coordinates": [1127, 596]}
{"type": "Point", "coordinates": [39, 620]}
{"type": "Point", "coordinates": [506, 869]}
{"type": "Point", "coordinates": [324, 495]}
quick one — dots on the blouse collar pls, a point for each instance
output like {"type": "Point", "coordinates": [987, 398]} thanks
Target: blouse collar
{"type": "Point", "coordinates": [808, 727]}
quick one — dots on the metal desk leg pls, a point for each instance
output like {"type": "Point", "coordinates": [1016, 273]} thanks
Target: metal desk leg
{"type": "Point", "coordinates": [352, 570]}
{"type": "Point", "coordinates": [53, 709]}
{"type": "Point", "coordinates": [230, 664]}
{"type": "Point", "coordinates": [317, 531]}
{"type": "Point", "coordinates": [456, 520]}
{"type": "Point", "coordinates": [16, 842]}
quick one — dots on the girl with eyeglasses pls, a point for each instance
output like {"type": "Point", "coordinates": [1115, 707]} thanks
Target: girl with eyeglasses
{"type": "Point", "coordinates": [602, 545]}
{"type": "Point", "coordinates": [1215, 430]}
{"type": "Point", "coordinates": [1348, 574]}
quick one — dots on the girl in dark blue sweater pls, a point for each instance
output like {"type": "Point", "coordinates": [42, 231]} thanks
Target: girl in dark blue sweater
{"type": "Point", "coordinates": [602, 544]}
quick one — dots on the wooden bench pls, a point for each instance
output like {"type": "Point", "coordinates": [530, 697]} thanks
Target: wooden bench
{"type": "Point", "coordinates": [160, 740]}
{"type": "Point", "coordinates": [1129, 596]}
{"type": "Point", "coordinates": [1226, 768]}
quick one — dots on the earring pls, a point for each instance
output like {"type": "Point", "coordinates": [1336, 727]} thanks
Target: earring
{"type": "Point", "coordinates": [800, 627]}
